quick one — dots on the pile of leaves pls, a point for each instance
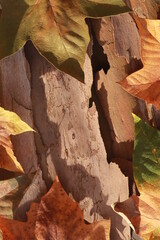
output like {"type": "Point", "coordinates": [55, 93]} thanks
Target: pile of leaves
{"type": "Point", "coordinates": [56, 216]}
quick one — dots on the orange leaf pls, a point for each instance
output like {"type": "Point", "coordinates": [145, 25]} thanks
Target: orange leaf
{"type": "Point", "coordinates": [145, 83]}
{"type": "Point", "coordinates": [143, 214]}
{"type": "Point", "coordinates": [55, 217]}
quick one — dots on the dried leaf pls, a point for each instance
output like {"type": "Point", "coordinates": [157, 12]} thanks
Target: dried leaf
{"type": "Point", "coordinates": [56, 28]}
{"type": "Point", "coordinates": [55, 217]}
{"type": "Point", "coordinates": [10, 123]}
{"type": "Point", "coordinates": [145, 83]}
{"type": "Point", "coordinates": [15, 230]}
{"type": "Point", "coordinates": [144, 211]}
{"type": "Point", "coordinates": [11, 193]}
{"type": "Point", "coordinates": [145, 9]}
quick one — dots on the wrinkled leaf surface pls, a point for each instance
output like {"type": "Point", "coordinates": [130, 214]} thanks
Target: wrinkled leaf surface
{"type": "Point", "coordinates": [56, 28]}
{"type": "Point", "coordinates": [55, 217]}
{"type": "Point", "coordinates": [144, 211]}
{"type": "Point", "coordinates": [145, 83]}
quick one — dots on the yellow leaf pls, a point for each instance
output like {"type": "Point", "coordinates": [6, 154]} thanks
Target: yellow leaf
{"type": "Point", "coordinates": [10, 124]}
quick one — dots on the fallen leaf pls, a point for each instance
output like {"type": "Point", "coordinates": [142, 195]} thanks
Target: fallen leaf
{"type": "Point", "coordinates": [15, 230]}
{"type": "Point", "coordinates": [55, 217]}
{"type": "Point", "coordinates": [11, 193]}
{"type": "Point", "coordinates": [144, 211]}
{"type": "Point", "coordinates": [56, 28]}
{"type": "Point", "coordinates": [145, 83]}
{"type": "Point", "coordinates": [10, 124]}
{"type": "Point", "coordinates": [145, 9]}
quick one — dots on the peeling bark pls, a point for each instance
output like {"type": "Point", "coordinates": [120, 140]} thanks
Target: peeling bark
{"type": "Point", "coordinates": [89, 148]}
{"type": "Point", "coordinates": [70, 144]}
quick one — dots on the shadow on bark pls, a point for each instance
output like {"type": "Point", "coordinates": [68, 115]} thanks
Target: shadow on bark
{"type": "Point", "coordinates": [75, 179]}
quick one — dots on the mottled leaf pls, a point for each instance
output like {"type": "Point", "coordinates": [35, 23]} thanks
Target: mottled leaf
{"type": "Point", "coordinates": [10, 124]}
{"type": "Point", "coordinates": [11, 193]}
{"type": "Point", "coordinates": [145, 83]}
{"type": "Point", "coordinates": [56, 28]}
{"type": "Point", "coordinates": [144, 211]}
{"type": "Point", "coordinates": [55, 217]}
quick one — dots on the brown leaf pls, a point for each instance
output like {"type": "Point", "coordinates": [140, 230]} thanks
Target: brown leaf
{"type": "Point", "coordinates": [15, 230]}
{"type": "Point", "coordinates": [144, 9]}
{"type": "Point", "coordinates": [143, 213]}
{"type": "Point", "coordinates": [145, 83]}
{"type": "Point", "coordinates": [55, 217]}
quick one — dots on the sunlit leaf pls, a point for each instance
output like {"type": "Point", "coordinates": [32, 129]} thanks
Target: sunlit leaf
{"type": "Point", "coordinates": [55, 217]}
{"type": "Point", "coordinates": [144, 211]}
{"type": "Point", "coordinates": [10, 124]}
{"type": "Point", "coordinates": [57, 28]}
{"type": "Point", "coordinates": [145, 83]}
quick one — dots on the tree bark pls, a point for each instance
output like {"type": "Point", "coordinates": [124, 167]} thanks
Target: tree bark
{"type": "Point", "coordinates": [84, 132]}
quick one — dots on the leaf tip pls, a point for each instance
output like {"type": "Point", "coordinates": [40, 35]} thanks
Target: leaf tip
{"type": "Point", "coordinates": [136, 118]}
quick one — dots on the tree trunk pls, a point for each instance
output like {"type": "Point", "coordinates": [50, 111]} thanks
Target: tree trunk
{"type": "Point", "coordinates": [84, 132]}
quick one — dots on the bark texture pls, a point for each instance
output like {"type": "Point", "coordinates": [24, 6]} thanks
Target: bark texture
{"type": "Point", "coordinates": [88, 147]}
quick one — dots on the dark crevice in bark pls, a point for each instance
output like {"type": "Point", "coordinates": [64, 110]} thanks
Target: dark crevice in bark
{"type": "Point", "coordinates": [106, 131]}
{"type": "Point", "coordinates": [103, 124]}
{"type": "Point", "coordinates": [99, 61]}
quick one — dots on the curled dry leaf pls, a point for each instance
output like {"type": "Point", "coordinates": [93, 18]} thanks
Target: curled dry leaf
{"type": "Point", "coordinates": [56, 28]}
{"type": "Point", "coordinates": [10, 124]}
{"type": "Point", "coordinates": [11, 193]}
{"type": "Point", "coordinates": [144, 211]}
{"type": "Point", "coordinates": [55, 217]}
{"type": "Point", "coordinates": [145, 83]}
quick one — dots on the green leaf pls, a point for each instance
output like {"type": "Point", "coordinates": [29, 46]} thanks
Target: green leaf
{"type": "Point", "coordinates": [146, 157]}
{"type": "Point", "coordinates": [144, 211]}
{"type": "Point", "coordinates": [57, 28]}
